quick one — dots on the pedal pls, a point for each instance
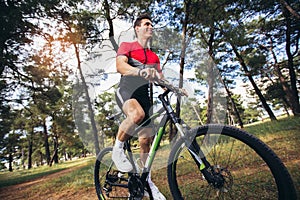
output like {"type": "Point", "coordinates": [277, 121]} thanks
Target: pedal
{"type": "Point", "coordinates": [121, 174]}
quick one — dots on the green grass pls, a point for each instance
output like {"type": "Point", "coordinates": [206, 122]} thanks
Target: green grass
{"type": "Point", "coordinates": [283, 136]}
{"type": "Point", "coordinates": [21, 176]}
{"type": "Point", "coordinates": [77, 179]}
{"type": "Point", "coordinates": [270, 127]}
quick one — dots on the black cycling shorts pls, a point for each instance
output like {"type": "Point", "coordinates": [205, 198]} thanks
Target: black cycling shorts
{"type": "Point", "coordinates": [141, 94]}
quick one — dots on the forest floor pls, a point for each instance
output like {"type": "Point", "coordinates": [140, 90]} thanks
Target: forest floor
{"type": "Point", "coordinates": [36, 190]}
{"type": "Point", "coordinates": [73, 180]}
{"type": "Point", "coordinates": [27, 190]}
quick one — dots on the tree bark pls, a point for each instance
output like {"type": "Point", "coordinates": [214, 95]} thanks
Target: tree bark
{"type": "Point", "coordinates": [110, 25]}
{"type": "Point", "coordinates": [54, 157]}
{"type": "Point", "coordinates": [183, 51]}
{"type": "Point", "coordinates": [285, 5]}
{"type": "Point", "coordinates": [89, 104]}
{"type": "Point", "coordinates": [287, 90]}
{"type": "Point", "coordinates": [294, 99]}
{"type": "Point", "coordinates": [237, 114]}
{"type": "Point", "coordinates": [181, 64]}
{"type": "Point", "coordinates": [10, 161]}
{"type": "Point", "coordinates": [29, 165]}
{"type": "Point", "coordinates": [210, 78]}
{"type": "Point", "coordinates": [46, 142]}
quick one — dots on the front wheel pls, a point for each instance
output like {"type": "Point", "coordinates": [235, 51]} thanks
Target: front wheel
{"type": "Point", "coordinates": [246, 167]}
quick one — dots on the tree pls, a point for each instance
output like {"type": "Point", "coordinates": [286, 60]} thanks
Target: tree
{"type": "Point", "coordinates": [280, 28]}
{"type": "Point", "coordinates": [106, 107]}
{"type": "Point", "coordinates": [9, 139]}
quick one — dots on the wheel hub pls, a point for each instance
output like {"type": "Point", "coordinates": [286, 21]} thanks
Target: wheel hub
{"type": "Point", "coordinates": [223, 179]}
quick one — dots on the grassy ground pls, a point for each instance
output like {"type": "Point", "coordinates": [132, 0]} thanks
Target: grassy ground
{"type": "Point", "coordinates": [283, 136]}
{"type": "Point", "coordinates": [74, 179]}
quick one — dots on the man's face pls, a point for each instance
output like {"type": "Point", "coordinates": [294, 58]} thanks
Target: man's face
{"type": "Point", "coordinates": [145, 30]}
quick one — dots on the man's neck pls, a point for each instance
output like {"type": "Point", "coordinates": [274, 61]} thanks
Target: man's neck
{"type": "Point", "coordinates": [143, 42]}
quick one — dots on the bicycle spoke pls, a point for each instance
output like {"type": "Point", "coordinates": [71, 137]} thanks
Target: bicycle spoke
{"type": "Point", "coordinates": [244, 172]}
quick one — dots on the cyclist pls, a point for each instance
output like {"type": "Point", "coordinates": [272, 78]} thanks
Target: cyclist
{"type": "Point", "coordinates": [138, 65]}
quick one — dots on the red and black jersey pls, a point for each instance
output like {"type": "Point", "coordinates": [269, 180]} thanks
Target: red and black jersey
{"type": "Point", "coordinates": [138, 56]}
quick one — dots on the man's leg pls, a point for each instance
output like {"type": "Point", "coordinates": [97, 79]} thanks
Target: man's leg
{"type": "Point", "coordinates": [134, 115]}
{"type": "Point", "coordinates": [145, 139]}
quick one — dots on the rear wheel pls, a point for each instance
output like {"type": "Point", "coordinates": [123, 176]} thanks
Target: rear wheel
{"type": "Point", "coordinates": [245, 167]}
{"type": "Point", "coordinates": [106, 176]}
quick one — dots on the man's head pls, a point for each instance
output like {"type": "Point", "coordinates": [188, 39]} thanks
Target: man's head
{"type": "Point", "coordinates": [143, 26]}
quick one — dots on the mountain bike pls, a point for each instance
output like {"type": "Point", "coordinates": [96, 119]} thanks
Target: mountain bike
{"type": "Point", "coordinates": [207, 162]}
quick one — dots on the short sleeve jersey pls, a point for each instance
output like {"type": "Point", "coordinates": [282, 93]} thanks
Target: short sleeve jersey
{"type": "Point", "coordinates": [137, 57]}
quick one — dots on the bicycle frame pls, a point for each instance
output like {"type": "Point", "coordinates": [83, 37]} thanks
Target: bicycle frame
{"type": "Point", "coordinates": [192, 145]}
{"type": "Point", "coordinates": [194, 148]}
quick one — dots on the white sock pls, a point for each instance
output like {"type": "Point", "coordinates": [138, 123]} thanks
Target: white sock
{"type": "Point", "coordinates": [119, 144]}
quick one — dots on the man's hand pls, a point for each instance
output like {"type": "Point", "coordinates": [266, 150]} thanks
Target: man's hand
{"type": "Point", "coordinates": [150, 74]}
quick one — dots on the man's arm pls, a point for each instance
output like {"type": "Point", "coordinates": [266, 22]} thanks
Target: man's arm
{"type": "Point", "coordinates": [127, 70]}
{"type": "Point", "coordinates": [124, 68]}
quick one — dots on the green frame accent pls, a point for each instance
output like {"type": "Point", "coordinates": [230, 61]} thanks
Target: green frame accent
{"type": "Point", "coordinates": [202, 166]}
{"type": "Point", "coordinates": [155, 144]}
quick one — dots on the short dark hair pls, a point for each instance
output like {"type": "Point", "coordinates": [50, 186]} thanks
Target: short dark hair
{"type": "Point", "coordinates": [140, 18]}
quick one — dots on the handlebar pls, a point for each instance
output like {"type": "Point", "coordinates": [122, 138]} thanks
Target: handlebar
{"type": "Point", "coordinates": [166, 84]}
{"type": "Point", "coordinates": [170, 87]}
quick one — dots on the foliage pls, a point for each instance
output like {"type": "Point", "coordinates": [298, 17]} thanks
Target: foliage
{"type": "Point", "coordinates": [253, 41]}
{"type": "Point", "coordinates": [106, 107]}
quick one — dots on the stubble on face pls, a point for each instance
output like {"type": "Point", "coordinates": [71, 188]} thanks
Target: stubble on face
{"type": "Point", "coordinates": [145, 30]}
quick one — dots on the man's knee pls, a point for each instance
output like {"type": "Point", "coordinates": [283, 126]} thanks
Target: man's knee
{"type": "Point", "coordinates": [137, 116]}
{"type": "Point", "coordinates": [134, 111]}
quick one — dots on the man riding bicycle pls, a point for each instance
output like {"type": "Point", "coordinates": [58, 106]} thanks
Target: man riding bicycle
{"type": "Point", "coordinates": [138, 65]}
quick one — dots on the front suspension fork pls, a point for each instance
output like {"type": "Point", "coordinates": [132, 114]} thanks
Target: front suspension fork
{"type": "Point", "coordinates": [203, 165]}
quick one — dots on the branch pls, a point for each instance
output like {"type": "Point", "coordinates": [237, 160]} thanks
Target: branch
{"type": "Point", "coordinates": [289, 8]}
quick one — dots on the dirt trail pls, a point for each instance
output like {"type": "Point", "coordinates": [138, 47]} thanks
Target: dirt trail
{"type": "Point", "coordinates": [24, 190]}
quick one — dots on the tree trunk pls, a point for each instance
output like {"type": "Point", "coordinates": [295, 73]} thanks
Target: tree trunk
{"type": "Point", "coordinates": [89, 104]}
{"type": "Point", "coordinates": [46, 142]}
{"type": "Point", "coordinates": [254, 85]}
{"type": "Point", "coordinates": [182, 53]}
{"type": "Point", "coordinates": [182, 62]}
{"type": "Point", "coordinates": [23, 159]}
{"type": "Point", "coordinates": [211, 77]}
{"type": "Point", "coordinates": [110, 25]}
{"type": "Point", "coordinates": [288, 92]}
{"type": "Point", "coordinates": [237, 114]}
{"type": "Point", "coordinates": [210, 98]}
{"type": "Point", "coordinates": [29, 165]}
{"type": "Point", "coordinates": [286, 6]}
{"type": "Point", "coordinates": [54, 157]}
{"type": "Point", "coordinates": [10, 161]}
{"type": "Point", "coordinates": [55, 143]}
{"type": "Point", "coordinates": [41, 158]}
{"type": "Point", "coordinates": [294, 100]}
